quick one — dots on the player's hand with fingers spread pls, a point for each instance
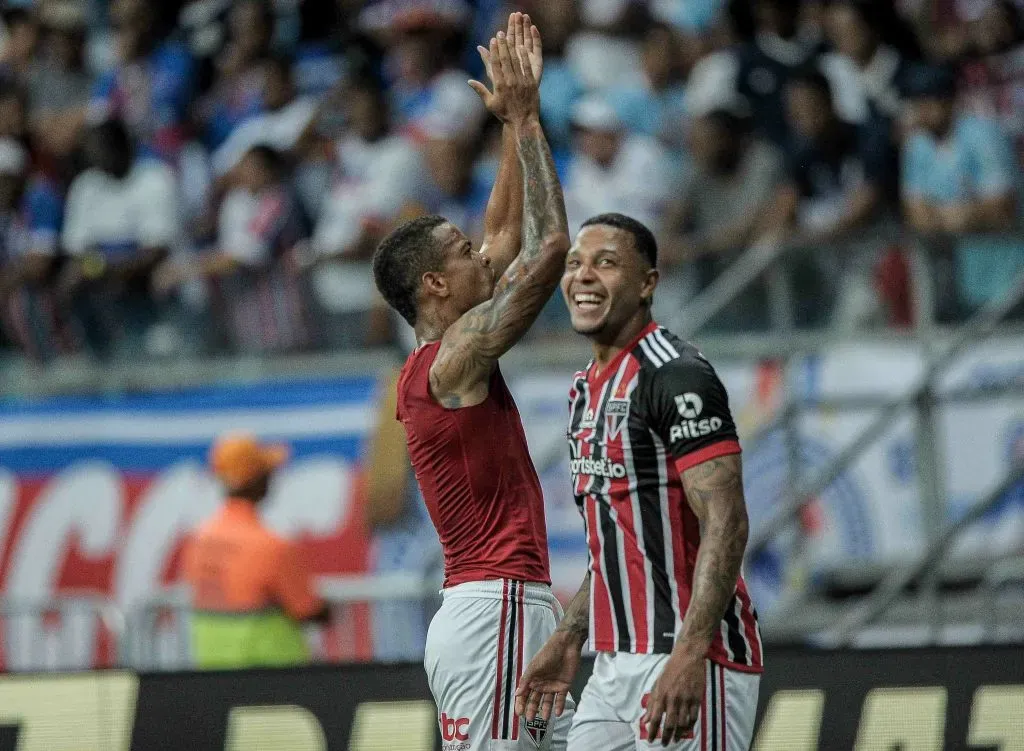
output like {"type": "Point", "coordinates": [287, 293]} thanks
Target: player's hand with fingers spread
{"type": "Point", "coordinates": [545, 682]}
{"type": "Point", "coordinates": [675, 699]}
{"type": "Point", "coordinates": [515, 97]}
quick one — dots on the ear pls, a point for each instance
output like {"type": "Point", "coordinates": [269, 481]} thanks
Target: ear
{"type": "Point", "coordinates": [650, 282]}
{"type": "Point", "coordinates": [435, 283]}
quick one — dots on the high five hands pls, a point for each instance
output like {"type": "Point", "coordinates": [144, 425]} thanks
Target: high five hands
{"type": "Point", "coordinates": [514, 63]}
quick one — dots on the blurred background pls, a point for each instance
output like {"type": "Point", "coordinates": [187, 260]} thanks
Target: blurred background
{"type": "Point", "coordinates": [190, 194]}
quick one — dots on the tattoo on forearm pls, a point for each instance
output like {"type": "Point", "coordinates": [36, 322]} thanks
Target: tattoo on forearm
{"type": "Point", "coordinates": [543, 204]}
{"type": "Point", "coordinates": [715, 490]}
{"type": "Point", "coordinates": [577, 616]}
{"type": "Point", "coordinates": [483, 334]}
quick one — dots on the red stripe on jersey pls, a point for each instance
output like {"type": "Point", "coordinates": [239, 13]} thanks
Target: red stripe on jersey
{"type": "Point", "coordinates": [681, 560]}
{"type": "Point", "coordinates": [622, 501]}
{"type": "Point", "coordinates": [519, 653]}
{"type": "Point", "coordinates": [501, 660]}
{"type": "Point", "coordinates": [599, 589]}
{"type": "Point", "coordinates": [749, 624]}
{"type": "Point", "coordinates": [715, 450]}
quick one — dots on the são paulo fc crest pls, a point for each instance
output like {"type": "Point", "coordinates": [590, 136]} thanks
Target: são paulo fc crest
{"type": "Point", "coordinates": [615, 417]}
{"type": "Point", "coordinates": [536, 728]}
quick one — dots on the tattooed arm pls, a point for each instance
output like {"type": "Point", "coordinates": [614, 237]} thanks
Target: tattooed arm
{"type": "Point", "coordinates": [714, 490]}
{"type": "Point", "coordinates": [503, 221]}
{"type": "Point", "coordinates": [575, 624]}
{"type": "Point", "coordinates": [471, 347]}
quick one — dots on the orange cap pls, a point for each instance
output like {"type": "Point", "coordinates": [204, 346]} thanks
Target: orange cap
{"type": "Point", "coordinates": [238, 459]}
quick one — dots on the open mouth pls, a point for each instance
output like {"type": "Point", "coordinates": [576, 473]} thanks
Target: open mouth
{"type": "Point", "coordinates": [586, 301]}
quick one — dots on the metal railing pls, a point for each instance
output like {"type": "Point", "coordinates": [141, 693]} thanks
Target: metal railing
{"type": "Point", "coordinates": [764, 261]}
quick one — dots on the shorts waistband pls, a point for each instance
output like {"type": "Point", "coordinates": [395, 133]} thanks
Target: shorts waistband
{"type": "Point", "coordinates": [503, 589]}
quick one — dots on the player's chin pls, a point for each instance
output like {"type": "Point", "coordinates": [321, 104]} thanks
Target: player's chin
{"type": "Point", "coordinates": [588, 326]}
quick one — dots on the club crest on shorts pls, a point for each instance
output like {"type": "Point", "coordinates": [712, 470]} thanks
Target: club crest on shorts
{"type": "Point", "coordinates": [615, 413]}
{"type": "Point", "coordinates": [536, 727]}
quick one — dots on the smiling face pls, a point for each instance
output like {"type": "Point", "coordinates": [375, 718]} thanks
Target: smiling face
{"type": "Point", "coordinates": [607, 284]}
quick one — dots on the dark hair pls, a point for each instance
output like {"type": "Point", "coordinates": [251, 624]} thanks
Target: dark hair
{"type": "Point", "coordinates": [272, 160]}
{"type": "Point", "coordinates": [280, 65]}
{"type": "Point", "coordinates": [112, 135]}
{"type": "Point", "coordinates": [643, 238]}
{"type": "Point", "coordinates": [401, 260]}
{"type": "Point", "coordinates": [17, 16]}
{"type": "Point", "coordinates": [813, 79]}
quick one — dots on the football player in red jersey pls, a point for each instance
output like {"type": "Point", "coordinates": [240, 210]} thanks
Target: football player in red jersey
{"type": "Point", "coordinates": [468, 306]}
{"type": "Point", "coordinates": [655, 465]}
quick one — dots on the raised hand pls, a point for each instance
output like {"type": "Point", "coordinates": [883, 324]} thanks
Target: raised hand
{"type": "Point", "coordinates": [515, 97]}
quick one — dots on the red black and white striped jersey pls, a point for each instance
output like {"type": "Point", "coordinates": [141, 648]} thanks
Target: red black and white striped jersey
{"type": "Point", "coordinates": [656, 410]}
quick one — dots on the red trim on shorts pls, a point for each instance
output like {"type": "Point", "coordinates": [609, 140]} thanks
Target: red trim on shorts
{"type": "Point", "coordinates": [500, 662]}
{"type": "Point", "coordinates": [519, 654]}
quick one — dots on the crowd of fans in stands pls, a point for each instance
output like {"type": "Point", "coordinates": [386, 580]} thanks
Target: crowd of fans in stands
{"type": "Point", "coordinates": [208, 176]}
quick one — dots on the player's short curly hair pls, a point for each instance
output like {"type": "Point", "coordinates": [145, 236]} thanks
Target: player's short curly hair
{"type": "Point", "coordinates": [401, 260]}
{"type": "Point", "coordinates": [643, 239]}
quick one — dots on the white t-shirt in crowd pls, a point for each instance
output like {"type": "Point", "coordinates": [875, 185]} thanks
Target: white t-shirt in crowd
{"type": "Point", "coordinates": [637, 183]}
{"type": "Point", "coordinates": [279, 130]}
{"type": "Point", "coordinates": [375, 181]}
{"type": "Point", "coordinates": [120, 217]}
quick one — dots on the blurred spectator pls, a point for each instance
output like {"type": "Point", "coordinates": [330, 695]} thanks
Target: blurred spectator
{"type": "Point", "coordinates": [451, 145]}
{"type": "Point", "coordinates": [121, 220]}
{"type": "Point", "coordinates": [21, 35]}
{"type": "Point", "coordinates": [286, 118]}
{"type": "Point", "coordinates": [653, 102]}
{"type": "Point", "coordinates": [251, 590]}
{"type": "Point", "coordinates": [377, 173]}
{"type": "Point", "coordinates": [837, 173]}
{"type": "Point", "coordinates": [58, 84]}
{"type": "Point", "coordinates": [606, 50]}
{"type": "Point", "coordinates": [13, 111]}
{"type": "Point", "coordinates": [560, 88]}
{"type": "Point", "coordinates": [722, 209]}
{"type": "Point", "coordinates": [30, 215]}
{"type": "Point", "coordinates": [992, 75]}
{"type": "Point", "coordinates": [759, 69]}
{"type": "Point", "coordinates": [959, 176]}
{"type": "Point", "coordinates": [254, 268]}
{"type": "Point", "coordinates": [838, 176]}
{"type": "Point", "coordinates": [724, 203]}
{"type": "Point", "coordinates": [424, 44]}
{"type": "Point", "coordinates": [864, 71]}
{"type": "Point", "coordinates": [613, 169]}
{"type": "Point", "coordinates": [151, 86]}
{"type": "Point", "coordinates": [237, 91]}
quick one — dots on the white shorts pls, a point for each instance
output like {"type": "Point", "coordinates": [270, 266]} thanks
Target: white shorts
{"type": "Point", "coordinates": [614, 699]}
{"type": "Point", "coordinates": [478, 645]}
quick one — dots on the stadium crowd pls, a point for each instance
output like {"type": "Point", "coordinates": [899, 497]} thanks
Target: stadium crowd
{"type": "Point", "coordinates": [210, 176]}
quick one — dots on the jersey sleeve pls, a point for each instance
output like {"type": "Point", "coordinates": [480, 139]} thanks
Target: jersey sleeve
{"type": "Point", "coordinates": [688, 408]}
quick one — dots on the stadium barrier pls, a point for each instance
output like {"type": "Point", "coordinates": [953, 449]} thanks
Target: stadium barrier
{"type": "Point", "coordinates": [922, 699]}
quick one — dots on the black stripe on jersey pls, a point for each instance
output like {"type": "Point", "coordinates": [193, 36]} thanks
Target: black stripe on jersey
{"type": "Point", "coordinates": [649, 497]}
{"type": "Point", "coordinates": [737, 644]}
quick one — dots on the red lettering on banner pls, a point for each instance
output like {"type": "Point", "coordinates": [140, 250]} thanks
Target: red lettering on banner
{"type": "Point", "coordinates": [94, 530]}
